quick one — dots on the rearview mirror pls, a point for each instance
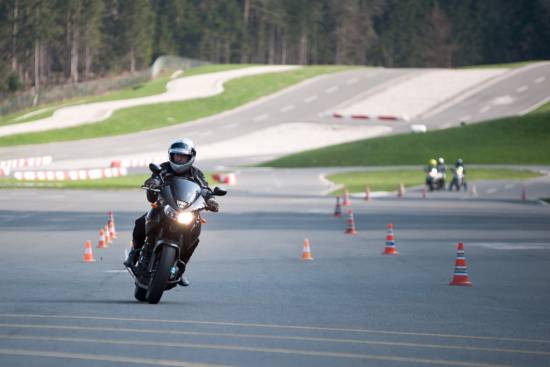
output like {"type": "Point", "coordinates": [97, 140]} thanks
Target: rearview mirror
{"type": "Point", "coordinates": [155, 168]}
{"type": "Point", "coordinates": [219, 192]}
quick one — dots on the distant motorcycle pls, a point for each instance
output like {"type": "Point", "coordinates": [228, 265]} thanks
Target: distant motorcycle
{"type": "Point", "coordinates": [458, 180]}
{"type": "Point", "coordinates": [435, 180]}
{"type": "Point", "coordinates": [180, 202]}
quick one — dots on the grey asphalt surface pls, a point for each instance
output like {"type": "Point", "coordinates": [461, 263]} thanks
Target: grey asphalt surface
{"type": "Point", "coordinates": [252, 300]}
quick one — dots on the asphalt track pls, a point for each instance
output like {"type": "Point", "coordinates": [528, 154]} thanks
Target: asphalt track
{"type": "Point", "coordinates": [252, 300]}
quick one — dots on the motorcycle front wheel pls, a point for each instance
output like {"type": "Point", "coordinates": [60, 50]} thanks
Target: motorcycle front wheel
{"type": "Point", "coordinates": [158, 283]}
{"type": "Point", "coordinates": [140, 293]}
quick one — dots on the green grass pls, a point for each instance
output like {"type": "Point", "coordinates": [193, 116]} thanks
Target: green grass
{"type": "Point", "coordinates": [391, 179]}
{"type": "Point", "coordinates": [114, 183]}
{"type": "Point", "coordinates": [149, 88]}
{"type": "Point", "coordinates": [237, 92]}
{"type": "Point", "coordinates": [514, 140]}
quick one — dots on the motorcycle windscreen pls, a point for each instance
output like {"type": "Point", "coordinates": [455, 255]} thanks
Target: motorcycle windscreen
{"type": "Point", "coordinates": [184, 192]}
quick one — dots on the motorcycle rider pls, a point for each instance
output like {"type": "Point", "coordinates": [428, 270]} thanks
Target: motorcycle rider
{"type": "Point", "coordinates": [181, 154]}
{"type": "Point", "coordinates": [459, 174]}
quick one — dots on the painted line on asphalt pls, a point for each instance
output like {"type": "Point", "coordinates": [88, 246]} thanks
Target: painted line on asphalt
{"type": "Point", "coordinates": [445, 126]}
{"type": "Point", "coordinates": [287, 108]}
{"type": "Point", "coordinates": [492, 190]}
{"type": "Point", "coordinates": [522, 89]}
{"type": "Point", "coordinates": [115, 271]}
{"type": "Point", "coordinates": [261, 117]}
{"type": "Point", "coordinates": [352, 81]}
{"type": "Point", "coordinates": [239, 348]}
{"type": "Point", "coordinates": [535, 106]}
{"type": "Point", "coordinates": [273, 326]}
{"type": "Point", "coordinates": [331, 89]}
{"type": "Point", "coordinates": [465, 118]}
{"type": "Point", "coordinates": [310, 99]}
{"type": "Point", "coordinates": [272, 337]}
{"type": "Point", "coordinates": [509, 186]}
{"type": "Point", "coordinates": [485, 109]}
{"type": "Point", "coordinates": [540, 80]}
{"type": "Point", "coordinates": [102, 358]}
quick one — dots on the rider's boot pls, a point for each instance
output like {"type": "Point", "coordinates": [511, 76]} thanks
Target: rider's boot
{"type": "Point", "coordinates": [184, 282]}
{"type": "Point", "coordinates": [146, 253]}
{"type": "Point", "coordinates": [132, 257]}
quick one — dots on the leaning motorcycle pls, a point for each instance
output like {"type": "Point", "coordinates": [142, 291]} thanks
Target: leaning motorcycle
{"type": "Point", "coordinates": [177, 228]}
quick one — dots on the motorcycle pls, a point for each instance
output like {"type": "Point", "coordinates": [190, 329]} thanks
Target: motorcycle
{"type": "Point", "coordinates": [435, 180]}
{"type": "Point", "coordinates": [458, 180]}
{"type": "Point", "coordinates": [177, 229]}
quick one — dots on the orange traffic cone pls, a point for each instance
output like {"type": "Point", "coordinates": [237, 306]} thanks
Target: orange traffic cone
{"type": "Point", "coordinates": [338, 208]}
{"type": "Point", "coordinates": [306, 253]}
{"type": "Point", "coordinates": [111, 227]}
{"type": "Point", "coordinates": [351, 224]}
{"type": "Point", "coordinates": [367, 193]}
{"type": "Point", "coordinates": [401, 191]}
{"type": "Point", "coordinates": [346, 202]}
{"type": "Point", "coordinates": [113, 231]}
{"type": "Point", "coordinates": [88, 256]}
{"type": "Point", "coordinates": [107, 234]}
{"type": "Point", "coordinates": [460, 276]}
{"type": "Point", "coordinates": [390, 248]}
{"type": "Point", "coordinates": [101, 243]}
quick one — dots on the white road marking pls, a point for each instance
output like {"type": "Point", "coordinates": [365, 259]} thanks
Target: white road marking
{"type": "Point", "coordinates": [522, 89]}
{"type": "Point", "coordinates": [492, 190]}
{"type": "Point", "coordinates": [115, 271]}
{"type": "Point", "coordinates": [287, 108]}
{"type": "Point", "coordinates": [535, 106]}
{"type": "Point", "coordinates": [540, 80]}
{"type": "Point", "coordinates": [352, 81]}
{"type": "Point", "coordinates": [502, 100]}
{"type": "Point", "coordinates": [261, 117]}
{"type": "Point", "coordinates": [267, 326]}
{"type": "Point", "coordinates": [465, 118]}
{"type": "Point", "coordinates": [509, 186]}
{"type": "Point", "coordinates": [206, 133]}
{"type": "Point", "coordinates": [484, 109]}
{"type": "Point", "coordinates": [445, 126]}
{"type": "Point", "coordinates": [310, 99]}
{"type": "Point", "coordinates": [512, 246]}
{"type": "Point", "coordinates": [331, 89]}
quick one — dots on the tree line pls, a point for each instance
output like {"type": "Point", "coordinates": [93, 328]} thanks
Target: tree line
{"type": "Point", "coordinates": [46, 42]}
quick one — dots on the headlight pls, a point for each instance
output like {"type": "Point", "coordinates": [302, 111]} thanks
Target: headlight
{"type": "Point", "coordinates": [185, 217]}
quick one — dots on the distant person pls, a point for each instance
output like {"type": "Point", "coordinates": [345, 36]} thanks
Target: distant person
{"type": "Point", "coordinates": [442, 170]}
{"type": "Point", "coordinates": [459, 176]}
{"type": "Point", "coordinates": [433, 177]}
{"type": "Point", "coordinates": [181, 157]}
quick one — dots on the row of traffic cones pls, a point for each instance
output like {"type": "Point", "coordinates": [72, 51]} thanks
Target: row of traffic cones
{"type": "Point", "coordinates": [460, 275]}
{"type": "Point", "coordinates": [106, 236]}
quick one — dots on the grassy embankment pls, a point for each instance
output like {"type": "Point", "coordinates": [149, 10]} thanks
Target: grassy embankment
{"type": "Point", "coordinates": [390, 180]}
{"type": "Point", "coordinates": [149, 88]}
{"type": "Point", "coordinates": [237, 92]}
{"type": "Point", "coordinates": [515, 140]}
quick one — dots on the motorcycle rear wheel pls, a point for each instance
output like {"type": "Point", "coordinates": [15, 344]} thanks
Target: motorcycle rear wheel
{"type": "Point", "coordinates": [158, 283]}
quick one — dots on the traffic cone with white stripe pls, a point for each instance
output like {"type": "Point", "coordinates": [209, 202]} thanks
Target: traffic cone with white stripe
{"type": "Point", "coordinates": [390, 248]}
{"type": "Point", "coordinates": [108, 238]}
{"type": "Point", "coordinates": [338, 208]}
{"type": "Point", "coordinates": [101, 243]}
{"type": "Point", "coordinates": [351, 224]}
{"type": "Point", "coordinates": [460, 276]}
{"type": "Point", "coordinates": [112, 231]}
{"type": "Point", "coordinates": [367, 193]}
{"type": "Point", "coordinates": [306, 252]}
{"type": "Point", "coordinates": [346, 202]}
{"type": "Point", "coordinates": [88, 256]}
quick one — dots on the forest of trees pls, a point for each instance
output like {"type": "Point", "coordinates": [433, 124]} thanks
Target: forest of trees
{"type": "Point", "coordinates": [46, 42]}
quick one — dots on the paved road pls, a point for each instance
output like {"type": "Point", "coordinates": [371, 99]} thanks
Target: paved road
{"type": "Point", "coordinates": [253, 302]}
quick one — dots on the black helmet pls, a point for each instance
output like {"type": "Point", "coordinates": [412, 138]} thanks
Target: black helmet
{"type": "Point", "coordinates": [182, 147]}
